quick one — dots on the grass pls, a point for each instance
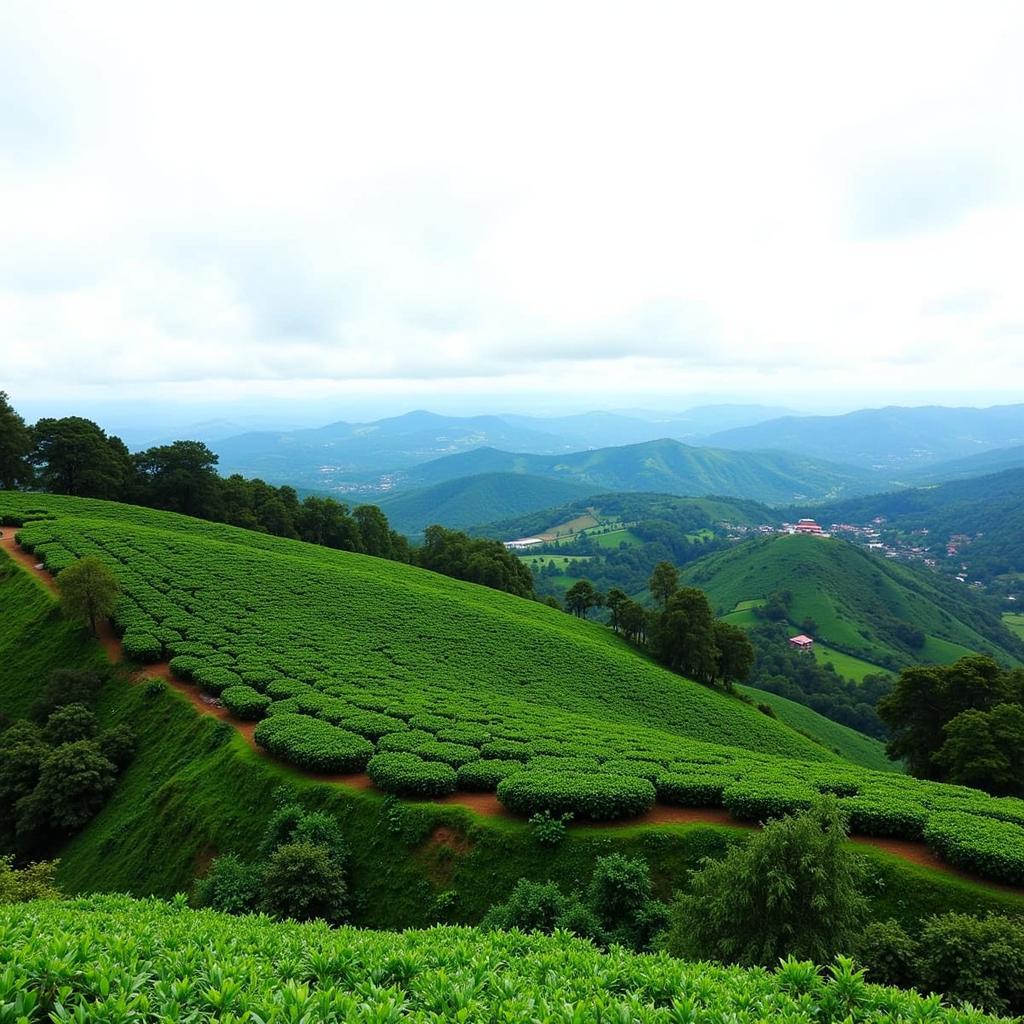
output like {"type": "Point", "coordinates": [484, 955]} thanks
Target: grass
{"type": "Point", "coordinates": [1015, 622]}
{"type": "Point", "coordinates": [846, 742]}
{"type": "Point", "coordinates": [615, 538]}
{"type": "Point", "coordinates": [847, 665]}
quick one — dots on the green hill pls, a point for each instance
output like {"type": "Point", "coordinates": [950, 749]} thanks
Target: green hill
{"type": "Point", "coordinates": [466, 501]}
{"type": "Point", "coordinates": [433, 684]}
{"type": "Point", "coordinates": [666, 466]}
{"type": "Point", "coordinates": [859, 604]}
{"type": "Point", "coordinates": [171, 963]}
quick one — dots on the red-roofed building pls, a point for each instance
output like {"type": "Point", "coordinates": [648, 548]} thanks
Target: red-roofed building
{"type": "Point", "coordinates": [808, 526]}
{"type": "Point", "coordinates": [801, 642]}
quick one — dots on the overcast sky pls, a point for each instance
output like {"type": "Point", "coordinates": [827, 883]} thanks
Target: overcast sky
{"type": "Point", "coordinates": [381, 206]}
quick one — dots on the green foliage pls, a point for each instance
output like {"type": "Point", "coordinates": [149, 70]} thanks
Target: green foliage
{"type": "Point", "coordinates": [548, 829]}
{"type": "Point", "coordinates": [994, 849]}
{"type": "Point", "coordinates": [15, 447]}
{"type": "Point", "coordinates": [142, 647]}
{"type": "Point", "coordinates": [244, 702]}
{"type": "Point", "coordinates": [34, 881]}
{"type": "Point", "coordinates": [474, 559]}
{"type": "Point", "coordinates": [794, 889]}
{"type": "Point", "coordinates": [664, 582]}
{"type": "Point", "coordinates": [685, 635]}
{"type": "Point", "coordinates": [254, 968]}
{"type": "Point", "coordinates": [231, 886]}
{"type": "Point", "coordinates": [302, 881]}
{"type": "Point", "coordinates": [312, 744]}
{"type": "Point", "coordinates": [66, 686]}
{"type": "Point", "coordinates": [985, 749]}
{"type": "Point", "coordinates": [75, 780]}
{"type": "Point", "coordinates": [68, 724]}
{"type": "Point", "coordinates": [408, 775]}
{"type": "Point", "coordinates": [88, 591]}
{"type": "Point", "coordinates": [597, 797]}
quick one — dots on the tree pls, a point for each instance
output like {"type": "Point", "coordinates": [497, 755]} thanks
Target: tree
{"type": "Point", "coordinates": [180, 477]}
{"type": "Point", "coordinates": [581, 597]}
{"type": "Point", "coordinates": [792, 890]}
{"type": "Point", "coordinates": [15, 447]}
{"type": "Point", "coordinates": [686, 635]}
{"type": "Point", "coordinates": [985, 749]}
{"type": "Point", "coordinates": [75, 456]}
{"type": "Point", "coordinates": [32, 882]}
{"type": "Point", "coordinates": [926, 698]}
{"type": "Point", "coordinates": [735, 652]}
{"type": "Point", "coordinates": [70, 723]}
{"type": "Point", "coordinates": [88, 590]}
{"type": "Point", "coordinates": [74, 781]}
{"type": "Point", "coordinates": [664, 582]}
{"type": "Point", "coordinates": [303, 881]}
{"type": "Point", "coordinates": [634, 619]}
{"type": "Point", "coordinates": [615, 600]}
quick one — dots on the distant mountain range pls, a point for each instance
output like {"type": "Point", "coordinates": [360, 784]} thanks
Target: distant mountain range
{"type": "Point", "coordinates": [894, 438]}
{"type": "Point", "coordinates": [665, 466]}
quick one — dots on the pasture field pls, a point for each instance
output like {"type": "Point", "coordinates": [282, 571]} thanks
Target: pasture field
{"type": "Point", "coordinates": [114, 958]}
{"type": "Point", "coordinates": [846, 742]}
{"type": "Point", "coordinates": [1014, 621]}
{"type": "Point", "coordinates": [362, 658]}
{"type": "Point", "coordinates": [614, 538]}
{"type": "Point", "coordinates": [847, 665]}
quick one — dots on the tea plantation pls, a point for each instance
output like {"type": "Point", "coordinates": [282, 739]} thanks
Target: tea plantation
{"type": "Point", "coordinates": [111, 958]}
{"type": "Point", "coordinates": [433, 685]}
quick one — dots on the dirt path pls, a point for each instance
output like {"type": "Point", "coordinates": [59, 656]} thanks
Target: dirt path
{"type": "Point", "coordinates": [486, 804]}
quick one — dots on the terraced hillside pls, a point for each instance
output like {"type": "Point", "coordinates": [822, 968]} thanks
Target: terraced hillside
{"type": "Point", "coordinates": [171, 963]}
{"type": "Point", "coordinates": [432, 684]}
{"type": "Point", "coordinates": [860, 604]}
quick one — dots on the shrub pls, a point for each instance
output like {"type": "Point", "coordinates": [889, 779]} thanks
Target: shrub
{"type": "Point", "coordinates": [690, 790]}
{"type": "Point", "coordinates": [68, 724]}
{"type": "Point", "coordinates": [792, 889]}
{"type": "Point", "coordinates": [231, 886]}
{"type": "Point", "coordinates": [989, 847]}
{"type": "Point", "coordinates": [246, 703]}
{"type": "Point", "coordinates": [154, 688]}
{"type": "Point", "coordinates": [74, 781]}
{"type": "Point", "coordinates": [547, 829]}
{"type": "Point", "coordinates": [184, 666]}
{"type": "Point", "coordinates": [888, 953]}
{"type": "Point", "coordinates": [32, 882]}
{"type": "Point", "coordinates": [312, 744]}
{"type": "Point", "coordinates": [756, 801]}
{"type": "Point", "coordinates": [142, 647]}
{"type": "Point", "coordinates": [215, 679]}
{"type": "Point", "coordinates": [484, 774]}
{"type": "Point", "coordinates": [118, 745]}
{"type": "Point", "coordinates": [597, 797]}
{"type": "Point", "coordinates": [303, 881]}
{"type": "Point", "coordinates": [408, 775]}
{"type": "Point", "coordinates": [878, 818]}
{"type": "Point", "coordinates": [531, 907]}
{"type": "Point", "coordinates": [66, 686]}
{"type": "Point", "coordinates": [506, 750]}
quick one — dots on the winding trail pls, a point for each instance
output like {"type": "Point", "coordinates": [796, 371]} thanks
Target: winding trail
{"type": "Point", "coordinates": [485, 804]}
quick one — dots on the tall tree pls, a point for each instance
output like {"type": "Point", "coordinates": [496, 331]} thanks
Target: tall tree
{"type": "Point", "coordinates": [664, 582]}
{"type": "Point", "coordinates": [735, 652]}
{"type": "Point", "coordinates": [686, 635]}
{"type": "Point", "coordinates": [985, 749]}
{"type": "Point", "coordinates": [614, 601]}
{"type": "Point", "coordinates": [76, 457]}
{"type": "Point", "coordinates": [15, 447]}
{"type": "Point", "coordinates": [581, 597]}
{"type": "Point", "coordinates": [88, 591]}
{"type": "Point", "coordinates": [181, 477]}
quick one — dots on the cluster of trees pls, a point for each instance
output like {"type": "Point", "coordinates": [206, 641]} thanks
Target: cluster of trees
{"type": "Point", "coordinates": [960, 723]}
{"type": "Point", "coordinates": [300, 871]}
{"type": "Point", "coordinates": [75, 456]}
{"type": "Point", "coordinates": [57, 767]}
{"type": "Point", "coordinates": [616, 907]}
{"type": "Point", "coordinates": [474, 559]}
{"type": "Point", "coordinates": [682, 632]}
{"type": "Point", "coordinates": [780, 669]}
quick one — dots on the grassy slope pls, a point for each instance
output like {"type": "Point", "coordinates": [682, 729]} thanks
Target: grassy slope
{"type": "Point", "coordinates": [847, 592]}
{"type": "Point", "coordinates": [34, 639]}
{"type": "Point", "coordinates": [476, 499]}
{"type": "Point", "coordinates": [195, 789]}
{"type": "Point", "coordinates": [391, 641]}
{"type": "Point", "coordinates": [1014, 622]}
{"type": "Point", "coordinates": [847, 743]}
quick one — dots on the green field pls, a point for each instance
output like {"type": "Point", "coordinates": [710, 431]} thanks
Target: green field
{"type": "Point", "coordinates": [847, 665]}
{"type": "Point", "coordinates": [847, 743]}
{"type": "Point", "coordinates": [199, 966]}
{"type": "Point", "coordinates": [364, 656]}
{"type": "Point", "coordinates": [614, 538]}
{"type": "Point", "coordinates": [1015, 622]}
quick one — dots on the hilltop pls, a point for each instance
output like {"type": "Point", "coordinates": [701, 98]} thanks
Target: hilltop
{"type": "Point", "coordinates": [665, 466]}
{"type": "Point", "coordinates": [466, 501]}
{"type": "Point", "coordinates": [876, 610]}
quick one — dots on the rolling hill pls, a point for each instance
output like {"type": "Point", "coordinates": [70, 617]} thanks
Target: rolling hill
{"type": "Point", "coordinates": [666, 466]}
{"type": "Point", "coordinates": [859, 604]}
{"type": "Point", "coordinates": [463, 502]}
{"type": "Point", "coordinates": [891, 438]}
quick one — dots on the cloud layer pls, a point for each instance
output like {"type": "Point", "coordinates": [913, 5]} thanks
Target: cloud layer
{"type": "Point", "coordinates": [207, 199]}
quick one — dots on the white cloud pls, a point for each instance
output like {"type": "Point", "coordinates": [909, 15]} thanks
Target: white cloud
{"type": "Point", "coordinates": [228, 199]}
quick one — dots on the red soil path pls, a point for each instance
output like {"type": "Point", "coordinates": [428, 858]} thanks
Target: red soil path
{"type": "Point", "coordinates": [486, 804]}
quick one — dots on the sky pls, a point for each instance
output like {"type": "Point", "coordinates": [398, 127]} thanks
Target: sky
{"type": "Point", "coordinates": [318, 211]}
